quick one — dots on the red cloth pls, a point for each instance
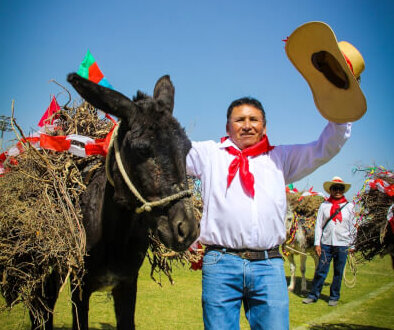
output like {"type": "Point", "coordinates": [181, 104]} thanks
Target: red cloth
{"type": "Point", "coordinates": [391, 222]}
{"type": "Point", "coordinates": [198, 251]}
{"type": "Point", "coordinates": [335, 206]}
{"type": "Point", "coordinates": [56, 143]}
{"type": "Point", "coordinates": [241, 162]}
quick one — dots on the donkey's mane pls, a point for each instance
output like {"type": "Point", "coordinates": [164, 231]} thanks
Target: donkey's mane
{"type": "Point", "coordinates": [140, 96]}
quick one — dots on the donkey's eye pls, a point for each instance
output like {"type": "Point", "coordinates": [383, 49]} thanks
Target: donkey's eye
{"type": "Point", "coordinates": [144, 152]}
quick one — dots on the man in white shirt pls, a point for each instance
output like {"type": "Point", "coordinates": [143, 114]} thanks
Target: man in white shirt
{"type": "Point", "coordinates": [243, 189]}
{"type": "Point", "coordinates": [334, 233]}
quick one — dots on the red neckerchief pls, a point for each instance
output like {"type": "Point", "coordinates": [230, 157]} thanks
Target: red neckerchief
{"type": "Point", "coordinates": [335, 206]}
{"type": "Point", "coordinates": [241, 162]}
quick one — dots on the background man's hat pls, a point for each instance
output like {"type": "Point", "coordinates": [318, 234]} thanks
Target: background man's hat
{"type": "Point", "coordinates": [331, 69]}
{"type": "Point", "coordinates": [335, 180]}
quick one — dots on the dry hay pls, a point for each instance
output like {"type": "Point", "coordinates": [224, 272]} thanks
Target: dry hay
{"type": "Point", "coordinates": [307, 206]}
{"type": "Point", "coordinates": [374, 235]}
{"type": "Point", "coordinates": [305, 212]}
{"type": "Point", "coordinates": [41, 223]}
{"type": "Point", "coordinates": [162, 258]}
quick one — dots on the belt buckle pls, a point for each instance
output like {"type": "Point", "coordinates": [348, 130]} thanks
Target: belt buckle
{"type": "Point", "coordinates": [245, 255]}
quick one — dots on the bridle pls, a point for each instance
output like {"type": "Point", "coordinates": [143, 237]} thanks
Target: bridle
{"type": "Point", "coordinates": [146, 206]}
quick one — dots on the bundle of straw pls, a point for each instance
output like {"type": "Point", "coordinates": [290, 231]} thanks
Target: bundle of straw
{"type": "Point", "coordinates": [374, 233]}
{"type": "Point", "coordinates": [40, 224]}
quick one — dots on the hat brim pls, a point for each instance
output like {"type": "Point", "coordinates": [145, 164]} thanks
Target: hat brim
{"type": "Point", "coordinates": [327, 185]}
{"type": "Point", "coordinates": [335, 104]}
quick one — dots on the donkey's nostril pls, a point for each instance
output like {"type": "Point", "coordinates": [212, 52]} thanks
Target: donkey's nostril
{"type": "Point", "coordinates": [181, 232]}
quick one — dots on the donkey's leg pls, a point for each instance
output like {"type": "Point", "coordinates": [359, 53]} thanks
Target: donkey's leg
{"type": "Point", "coordinates": [80, 306]}
{"type": "Point", "coordinates": [292, 272]}
{"type": "Point", "coordinates": [124, 298]}
{"type": "Point", "coordinates": [44, 304]}
{"type": "Point", "coordinates": [303, 269]}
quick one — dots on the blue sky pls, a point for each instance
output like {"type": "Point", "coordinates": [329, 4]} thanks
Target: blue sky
{"type": "Point", "coordinates": [215, 52]}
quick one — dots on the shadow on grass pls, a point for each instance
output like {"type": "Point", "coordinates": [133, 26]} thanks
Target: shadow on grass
{"type": "Point", "coordinates": [298, 292]}
{"type": "Point", "coordinates": [104, 326]}
{"type": "Point", "coordinates": [344, 326]}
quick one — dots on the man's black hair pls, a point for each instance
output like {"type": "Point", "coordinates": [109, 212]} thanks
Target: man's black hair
{"type": "Point", "coordinates": [249, 101]}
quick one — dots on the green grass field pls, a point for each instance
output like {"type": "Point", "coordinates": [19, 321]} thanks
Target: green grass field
{"type": "Point", "coordinates": [369, 305]}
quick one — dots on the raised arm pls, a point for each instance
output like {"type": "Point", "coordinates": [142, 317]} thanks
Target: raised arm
{"type": "Point", "coordinates": [302, 159]}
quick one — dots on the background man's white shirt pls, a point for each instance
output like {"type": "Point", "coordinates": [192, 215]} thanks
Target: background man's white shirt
{"type": "Point", "coordinates": [336, 233]}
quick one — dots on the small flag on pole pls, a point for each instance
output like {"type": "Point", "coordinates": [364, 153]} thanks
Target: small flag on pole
{"type": "Point", "coordinates": [90, 70]}
{"type": "Point", "coordinates": [49, 115]}
{"type": "Point", "coordinates": [291, 189]}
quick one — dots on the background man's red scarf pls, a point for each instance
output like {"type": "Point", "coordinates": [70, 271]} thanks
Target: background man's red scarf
{"type": "Point", "coordinates": [335, 206]}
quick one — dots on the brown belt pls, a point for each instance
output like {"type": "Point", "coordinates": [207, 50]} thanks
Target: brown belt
{"type": "Point", "coordinates": [248, 254]}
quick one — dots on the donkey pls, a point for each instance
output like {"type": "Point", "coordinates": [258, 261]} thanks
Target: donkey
{"type": "Point", "coordinates": [150, 151]}
{"type": "Point", "coordinates": [300, 240]}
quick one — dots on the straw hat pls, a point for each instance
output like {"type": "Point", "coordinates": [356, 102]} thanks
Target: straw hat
{"type": "Point", "coordinates": [331, 70]}
{"type": "Point", "coordinates": [335, 180]}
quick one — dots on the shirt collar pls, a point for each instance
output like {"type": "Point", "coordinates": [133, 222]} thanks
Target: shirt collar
{"type": "Point", "coordinates": [228, 143]}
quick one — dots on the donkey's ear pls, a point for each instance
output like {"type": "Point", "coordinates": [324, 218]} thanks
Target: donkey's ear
{"type": "Point", "coordinates": [164, 92]}
{"type": "Point", "coordinates": [103, 98]}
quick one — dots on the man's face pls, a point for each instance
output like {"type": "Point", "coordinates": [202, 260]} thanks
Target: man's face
{"type": "Point", "coordinates": [337, 191]}
{"type": "Point", "coordinates": [246, 126]}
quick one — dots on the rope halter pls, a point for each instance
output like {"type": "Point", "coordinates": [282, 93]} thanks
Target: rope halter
{"type": "Point", "coordinates": [146, 206]}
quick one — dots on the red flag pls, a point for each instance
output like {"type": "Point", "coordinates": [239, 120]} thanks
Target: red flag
{"type": "Point", "coordinates": [48, 117]}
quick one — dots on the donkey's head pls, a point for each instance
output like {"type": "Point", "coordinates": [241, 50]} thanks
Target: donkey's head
{"type": "Point", "coordinates": [289, 218]}
{"type": "Point", "coordinates": [153, 149]}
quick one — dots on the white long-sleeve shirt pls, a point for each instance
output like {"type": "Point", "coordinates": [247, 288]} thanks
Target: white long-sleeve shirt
{"type": "Point", "coordinates": [336, 233]}
{"type": "Point", "coordinates": [233, 219]}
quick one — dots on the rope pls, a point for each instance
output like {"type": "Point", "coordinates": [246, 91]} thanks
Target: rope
{"type": "Point", "coordinates": [149, 205]}
{"type": "Point", "coordinates": [296, 251]}
{"type": "Point", "coordinates": [146, 206]}
{"type": "Point", "coordinates": [292, 232]}
{"type": "Point", "coordinates": [293, 229]}
{"type": "Point", "coordinates": [351, 261]}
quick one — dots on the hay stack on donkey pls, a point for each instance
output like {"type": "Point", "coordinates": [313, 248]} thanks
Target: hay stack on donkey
{"type": "Point", "coordinates": [375, 215]}
{"type": "Point", "coordinates": [143, 189]}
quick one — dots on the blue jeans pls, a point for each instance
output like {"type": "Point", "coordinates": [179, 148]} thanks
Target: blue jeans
{"type": "Point", "coordinates": [328, 252]}
{"type": "Point", "coordinates": [228, 280]}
